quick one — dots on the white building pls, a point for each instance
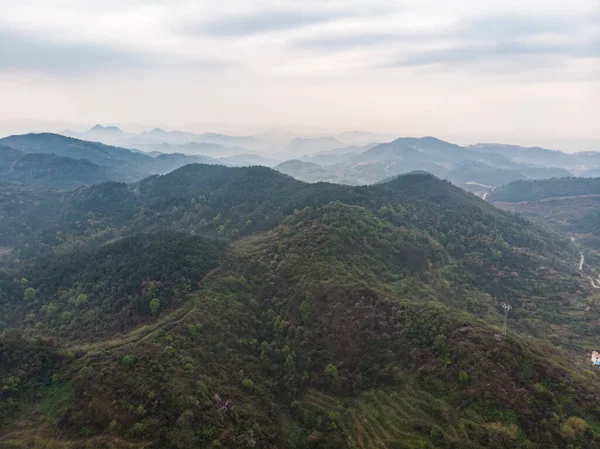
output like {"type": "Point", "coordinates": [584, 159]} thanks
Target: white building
{"type": "Point", "coordinates": [595, 358]}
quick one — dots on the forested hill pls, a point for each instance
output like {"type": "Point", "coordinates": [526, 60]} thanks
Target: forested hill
{"type": "Point", "coordinates": [51, 170]}
{"type": "Point", "coordinates": [63, 162]}
{"type": "Point", "coordinates": [228, 202]}
{"type": "Point", "coordinates": [120, 159]}
{"type": "Point", "coordinates": [569, 205]}
{"type": "Point", "coordinates": [546, 188]}
{"type": "Point", "coordinates": [240, 308]}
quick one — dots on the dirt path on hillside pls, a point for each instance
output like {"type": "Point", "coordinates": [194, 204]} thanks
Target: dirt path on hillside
{"type": "Point", "coordinates": [137, 335]}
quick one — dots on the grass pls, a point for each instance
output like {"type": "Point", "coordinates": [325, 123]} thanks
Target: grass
{"type": "Point", "coordinates": [56, 397]}
{"type": "Point", "coordinates": [383, 419]}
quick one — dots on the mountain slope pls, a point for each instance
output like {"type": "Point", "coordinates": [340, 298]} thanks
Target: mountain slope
{"type": "Point", "coordinates": [51, 170]}
{"type": "Point", "coordinates": [462, 165]}
{"type": "Point", "coordinates": [124, 164]}
{"type": "Point", "coordinates": [306, 171]}
{"type": "Point", "coordinates": [545, 189]}
{"type": "Point", "coordinates": [309, 145]}
{"type": "Point", "coordinates": [542, 156]}
{"type": "Point", "coordinates": [247, 159]}
{"type": "Point", "coordinates": [479, 172]}
{"type": "Point", "coordinates": [328, 330]}
{"type": "Point", "coordinates": [569, 205]}
{"type": "Point", "coordinates": [231, 198]}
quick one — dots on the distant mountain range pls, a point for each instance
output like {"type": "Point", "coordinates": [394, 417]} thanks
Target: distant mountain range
{"type": "Point", "coordinates": [285, 143]}
{"type": "Point", "coordinates": [477, 168]}
{"type": "Point", "coordinates": [65, 162]}
{"type": "Point", "coordinates": [51, 170]}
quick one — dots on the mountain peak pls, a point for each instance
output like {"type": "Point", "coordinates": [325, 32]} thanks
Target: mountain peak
{"type": "Point", "coordinates": [105, 129]}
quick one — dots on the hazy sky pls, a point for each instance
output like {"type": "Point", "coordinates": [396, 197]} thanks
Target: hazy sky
{"type": "Point", "coordinates": [522, 71]}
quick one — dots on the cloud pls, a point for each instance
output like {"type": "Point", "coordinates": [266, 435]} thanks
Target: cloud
{"type": "Point", "coordinates": [496, 38]}
{"type": "Point", "coordinates": [343, 42]}
{"type": "Point", "coordinates": [265, 21]}
{"type": "Point", "coordinates": [21, 51]}
{"type": "Point", "coordinates": [306, 63]}
{"type": "Point", "coordinates": [511, 25]}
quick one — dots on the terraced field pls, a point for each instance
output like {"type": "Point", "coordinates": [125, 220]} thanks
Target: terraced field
{"type": "Point", "coordinates": [389, 419]}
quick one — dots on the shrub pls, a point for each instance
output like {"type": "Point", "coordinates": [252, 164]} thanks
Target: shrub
{"type": "Point", "coordinates": [127, 361]}
{"type": "Point", "coordinates": [573, 428]}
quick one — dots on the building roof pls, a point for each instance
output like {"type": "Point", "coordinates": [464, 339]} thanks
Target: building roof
{"type": "Point", "coordinates": [595, 354]}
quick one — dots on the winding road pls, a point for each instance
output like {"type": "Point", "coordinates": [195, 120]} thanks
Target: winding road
{"type": "Point", "coordinates": [592, 281]}
{"type": "Point", "coordinates": [485, 195]}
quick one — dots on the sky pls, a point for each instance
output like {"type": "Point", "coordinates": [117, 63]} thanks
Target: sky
{"type": "Point", "coordinates": [512, 71]}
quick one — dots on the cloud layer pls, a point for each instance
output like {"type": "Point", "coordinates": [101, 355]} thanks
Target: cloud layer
{"type": "Point", "coordinates": [246, 61]}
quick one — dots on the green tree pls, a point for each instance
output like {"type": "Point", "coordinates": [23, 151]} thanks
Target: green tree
{"type": "Point", "coordinates": [331, 371]}
{"type": "Point", "coordinates": [248, 384]}
{"type": "Point", "coordinates": [154, 305]}
{"type": "Point", "coordinates": [290, 361]}
{"type": "Point", "coordinates": [29, 294]}
{"type": "Point", "coordinates": [81, 299]}
{"type": "Point", "coordinates": [463, 377]}
{"type": "Point", "coordinates": [305, 311]}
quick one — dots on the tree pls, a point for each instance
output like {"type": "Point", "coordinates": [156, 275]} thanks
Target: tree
{"type": "Point", "coordinates": [154, 306]}
{"type": "Point", "coordinates": [140, 410]}
{"type": "Point", "coordinates": [29, 294]}
{"type": "Point", "coordinates": [81, 299]}
{"type": "Point", "coordinates": [305, 311]}
{"type": "Point", "coordinates": [290, 362]}
{"type": "Point", "coordinates": [463, 377]}
{"type": "Point", "coordinates": [331, 371]}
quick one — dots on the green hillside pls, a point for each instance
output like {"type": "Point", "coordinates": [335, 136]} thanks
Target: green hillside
{"type": "Point", "coordinates": [568, 205]}
{"type": "Point", "coordinates": [62, 162]}
{"type": "Point", "coordinates": [237, 307]}
{"type": "Point", "coordinates": [51, 170]}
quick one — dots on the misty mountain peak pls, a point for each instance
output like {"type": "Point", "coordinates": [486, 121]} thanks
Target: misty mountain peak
{"type": "Point", "coordinates": [105, 129]}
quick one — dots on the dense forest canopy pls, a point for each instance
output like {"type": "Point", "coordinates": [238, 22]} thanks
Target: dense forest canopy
{"type": "Point", "coordinates": [239, 307]}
